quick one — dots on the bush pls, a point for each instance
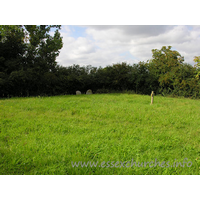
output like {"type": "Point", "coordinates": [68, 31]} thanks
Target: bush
{"type": "Point", "coordinates": [102, 91]}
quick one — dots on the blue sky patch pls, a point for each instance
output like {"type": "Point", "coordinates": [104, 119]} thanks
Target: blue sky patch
{"type": "Point", "coordinates": [127, 55]}
{"type": "Point", "coordinates": [78, 31]}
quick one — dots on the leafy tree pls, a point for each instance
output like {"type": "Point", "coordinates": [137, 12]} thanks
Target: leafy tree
{"type": "Point", "coordinates": [184, 80]}
{"type": "Point", "coordinates": [197, 60]}
{"type": "Point", "coordinates": [145, 82]}
{"type": "Point", "coordinates": [12, 48]}
{"type": "Point", "coordinates": [120, 73]}
{"type": "Point", "coordinates": [42, 48]}
{"type": "Point", "coordinates": [164, 64]}
{"type": "Point", "coordinates": [197, 65]}
{"type": "Point", "coordinates": [28, 53]}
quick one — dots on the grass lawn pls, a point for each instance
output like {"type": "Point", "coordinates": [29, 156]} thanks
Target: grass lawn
{"type": "Point", "coordinates": [120, 132]}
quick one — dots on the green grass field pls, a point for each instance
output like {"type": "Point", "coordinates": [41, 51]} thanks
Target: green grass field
{"type": "Point", "coordinates": [44, 135]}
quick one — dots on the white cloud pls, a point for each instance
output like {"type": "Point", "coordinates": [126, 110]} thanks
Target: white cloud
{"type": "Point", "coordinates": [104, 45]}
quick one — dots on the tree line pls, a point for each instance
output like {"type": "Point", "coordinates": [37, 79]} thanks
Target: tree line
{"type": "Point", "coordinates": [28, 67]}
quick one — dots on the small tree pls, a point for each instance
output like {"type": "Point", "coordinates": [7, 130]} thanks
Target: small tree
{"type": "Point", "coordinates": [164, 65]}
{"type": "Point", "coordinates": [197, 65]}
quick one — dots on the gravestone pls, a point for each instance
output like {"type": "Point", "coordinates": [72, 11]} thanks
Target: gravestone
{"type": "Point", "coordinates": [78, 92]}
{"type": "Point", "coordinates": [89, 92]}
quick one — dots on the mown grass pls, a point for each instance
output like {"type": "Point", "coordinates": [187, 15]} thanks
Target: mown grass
{"type": "Point", "coordinates": [43, 135]}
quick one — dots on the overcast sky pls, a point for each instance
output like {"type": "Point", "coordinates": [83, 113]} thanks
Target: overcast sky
{"type": "Point", "coordinates": [102, 45]}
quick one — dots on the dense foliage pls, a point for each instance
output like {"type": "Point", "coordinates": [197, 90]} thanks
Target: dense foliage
{"type": "Point", "coordinates": [28, 68]}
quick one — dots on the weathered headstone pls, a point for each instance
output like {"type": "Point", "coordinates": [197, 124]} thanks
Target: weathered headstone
{"type": "Point", "coordinates": [89, 92]}
{"type": "Point", "coordinates": [78, 92]}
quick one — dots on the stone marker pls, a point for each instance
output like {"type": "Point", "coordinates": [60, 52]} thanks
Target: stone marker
{"type": "Point", "coordinates": [152, 94]}
{"type": "Point", "coordinates": [89, 92]}
{"type": "Point", "coordinates": [78, 92]}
